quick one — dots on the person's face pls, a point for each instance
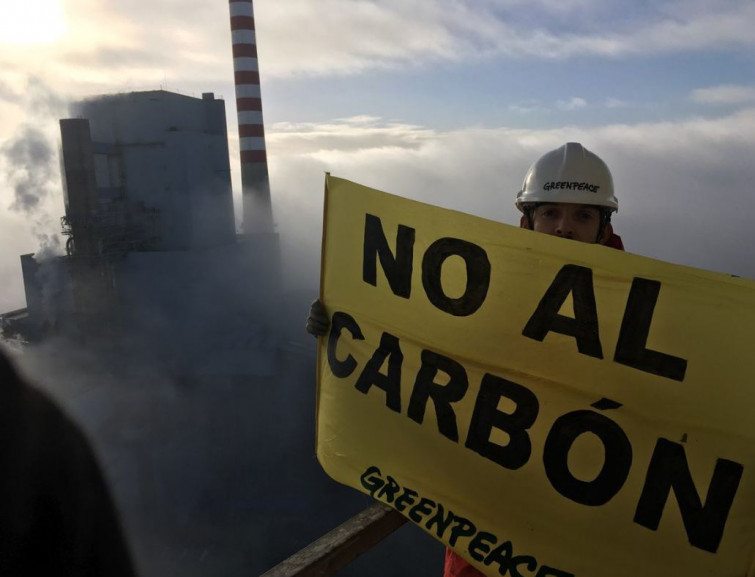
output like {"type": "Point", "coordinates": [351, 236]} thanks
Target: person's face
{"type": "Point", "coordinates": [574, 221]}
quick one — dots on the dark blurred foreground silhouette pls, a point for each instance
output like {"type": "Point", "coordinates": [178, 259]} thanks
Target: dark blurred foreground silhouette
{"type": "Point", "coordinates": [56, 513]}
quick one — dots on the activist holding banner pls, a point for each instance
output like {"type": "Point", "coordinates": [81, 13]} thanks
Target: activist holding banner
{"type": "Point", "coordinates": [568, 192]}
{"type": "Point", "coordinates": [523, 458]}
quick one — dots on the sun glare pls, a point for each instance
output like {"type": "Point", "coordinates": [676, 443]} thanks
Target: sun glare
{"type": "Point", "coordinates": [39, 22]}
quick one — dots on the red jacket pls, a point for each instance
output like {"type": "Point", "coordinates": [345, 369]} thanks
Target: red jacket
{"type": "Point", "coordinates": [614, 241]}
{"type": "Point", "coordinates": [455, 566]}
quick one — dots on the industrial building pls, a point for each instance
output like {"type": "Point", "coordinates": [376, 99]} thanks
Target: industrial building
{"type": "Point", "coordinates": [152, 243]}
{"type": "Point", "coordinates": [147, 171]}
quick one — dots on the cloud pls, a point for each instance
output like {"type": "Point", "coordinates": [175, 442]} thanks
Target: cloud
{"type": "Point", "coordinates": [108, 43]}
{"type": "Point", "coordinates": [28, 160]}
{"type": "Point", "coordinates": [574, 103]}
{"type": "Point", "coordinates": [345, 134]}
{"type": "Point", "coordinates": [410, 34]}
{"type": "Point", "coordinates": [724, 94]}
{"type": "Point", "coordinates": [670, 178]}
{"type": "Point", "coordinates": [615, 103]}
{"type": "Point", "coordinates": [29, 174]}
{"type": "Point", "coordinates": [8, 93]}
{"type": "Point", "coordinates": [527, 107]}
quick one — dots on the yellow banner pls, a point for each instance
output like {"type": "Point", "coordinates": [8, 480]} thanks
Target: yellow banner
{"type": "Point", "coordinates": [542, 406]}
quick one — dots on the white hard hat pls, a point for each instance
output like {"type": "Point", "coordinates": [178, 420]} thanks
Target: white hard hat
{"type": "Point", "coordinates": [570, 174]}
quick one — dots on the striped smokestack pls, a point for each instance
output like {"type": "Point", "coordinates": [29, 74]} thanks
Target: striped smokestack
{"type": "Point", "coordinates": [255, 183]}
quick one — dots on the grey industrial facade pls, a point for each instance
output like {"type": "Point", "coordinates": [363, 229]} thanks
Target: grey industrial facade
{"type": "Point", "coordinates": [150, 224]}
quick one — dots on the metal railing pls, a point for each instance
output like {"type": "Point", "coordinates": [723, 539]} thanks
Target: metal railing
{"type": "Point", "coordinates": [342, 545]}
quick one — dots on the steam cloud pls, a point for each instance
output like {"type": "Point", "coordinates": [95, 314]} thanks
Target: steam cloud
{"type": "Point", "coordinates": [30, 164]}
{"type": "Point", "coordinates": [29, 158]}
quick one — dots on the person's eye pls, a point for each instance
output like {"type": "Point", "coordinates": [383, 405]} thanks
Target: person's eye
{"type": "Point", "coordinates": [586, 215]}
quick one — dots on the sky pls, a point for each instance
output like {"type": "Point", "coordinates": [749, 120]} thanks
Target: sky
{"type": "Point", "coordinates": [443, 101]}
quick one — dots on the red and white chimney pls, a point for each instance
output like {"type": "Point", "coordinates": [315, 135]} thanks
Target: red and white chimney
{"type": "Point", "coordinates": [255, 182]}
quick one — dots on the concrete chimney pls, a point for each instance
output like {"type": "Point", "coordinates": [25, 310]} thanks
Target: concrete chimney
{"type": "Point", "coordinates": [255, 182]}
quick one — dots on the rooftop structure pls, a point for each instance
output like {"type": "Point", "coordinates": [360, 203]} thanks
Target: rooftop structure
{"type": "Point", "coordinates": [147, 171]}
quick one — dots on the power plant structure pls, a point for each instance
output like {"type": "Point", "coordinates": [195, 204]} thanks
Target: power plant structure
{"type": "Point", "coordinates": [148, 212]}
{"type": "Point", "coordinates": [201, 397]}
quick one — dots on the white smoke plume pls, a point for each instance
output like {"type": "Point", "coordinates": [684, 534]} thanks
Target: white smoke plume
{"type": "Point", "coordinates": [30, 167]}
